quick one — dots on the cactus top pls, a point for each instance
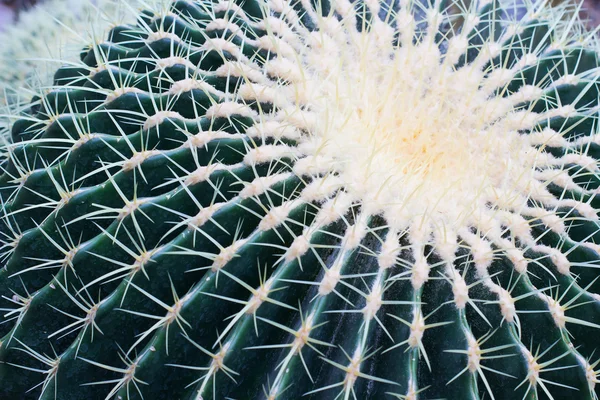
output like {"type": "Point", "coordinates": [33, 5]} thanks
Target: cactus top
{"type": "Point", "coordinates": [272, 199]}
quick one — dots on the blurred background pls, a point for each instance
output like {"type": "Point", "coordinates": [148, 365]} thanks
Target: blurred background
{"type": "Point", "coordinates": [9, 10]}
{"type": "Point", "coordinates": [593, 7]}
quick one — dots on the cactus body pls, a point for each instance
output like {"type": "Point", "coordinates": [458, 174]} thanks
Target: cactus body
{"type": "Point", "coordinates": [309, 199]}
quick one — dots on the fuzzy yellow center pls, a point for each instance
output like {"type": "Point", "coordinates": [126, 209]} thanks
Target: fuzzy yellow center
{"type": "Point", "coordinates": [407, 132]}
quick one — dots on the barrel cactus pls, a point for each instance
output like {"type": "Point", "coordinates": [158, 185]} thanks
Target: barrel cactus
{"type": "Point", "coordinates": [269, 199]}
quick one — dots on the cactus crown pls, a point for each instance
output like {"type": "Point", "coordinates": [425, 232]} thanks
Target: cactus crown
{"type": "Point", "coordinates": [270, 199]}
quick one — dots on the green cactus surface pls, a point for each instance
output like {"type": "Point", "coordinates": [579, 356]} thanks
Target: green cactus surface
{"type": "Point", "coordinates": [309, 199]}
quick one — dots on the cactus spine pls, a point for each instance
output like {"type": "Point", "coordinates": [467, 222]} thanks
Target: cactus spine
{"type": "Point", "coordinates": [271, 199]}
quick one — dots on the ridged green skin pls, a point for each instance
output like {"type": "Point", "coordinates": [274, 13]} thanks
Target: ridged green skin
{"type": "Point", "coordinates": [42, 226]}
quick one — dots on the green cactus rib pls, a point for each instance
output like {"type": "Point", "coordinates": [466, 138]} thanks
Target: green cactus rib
{"type": "Point", "coordinates": [269, 199]}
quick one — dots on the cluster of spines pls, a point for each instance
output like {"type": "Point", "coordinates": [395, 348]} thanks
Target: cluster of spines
{"type": "Point", "coordinates": [141, 209]}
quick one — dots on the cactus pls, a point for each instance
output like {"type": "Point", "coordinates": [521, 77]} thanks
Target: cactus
{"type": "Point", "coordinates": [272, 199]}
